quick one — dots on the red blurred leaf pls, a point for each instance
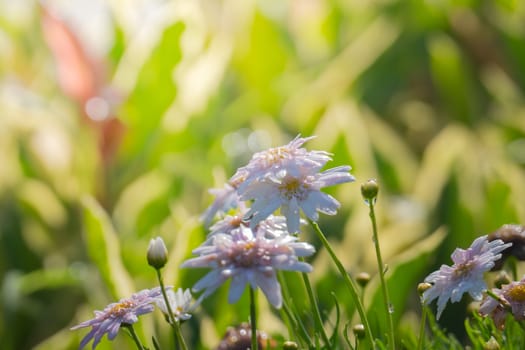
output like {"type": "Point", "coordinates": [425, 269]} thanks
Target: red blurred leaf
{"type": "Point", "coordinates": [77, 74]}
{"type": "Point", "coordinates": [81, 78]}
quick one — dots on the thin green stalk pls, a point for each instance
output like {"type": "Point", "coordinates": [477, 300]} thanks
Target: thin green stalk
{"type": "Point", "coordinates": [171, 317]}
{"type": "Point", "coordinates": [298, 323]}
{"type": "Point", "coordinates": [381, 267]}
{"type": "Point", "coordinates": [348, 281]}
{"type": "Point", "coordinates": [288, 322]}
{"type": "Point", "coordinates": [253, 320]}
{"type": "Point", "coordinates": [421, 341]}
{"type": "Point", "coordinates": [286, 296]}
{"type": "Point", "coordinates": [315, 308]}
{"type": "Point", "coordinates": [155, 343]}
{"type": "Point", "coordinates": [348, 342]}
{"type": "Point", "coordinates": [134, 336]}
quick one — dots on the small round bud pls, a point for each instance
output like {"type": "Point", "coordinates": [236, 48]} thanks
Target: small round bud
{"type": "Point", "coordinates": [369, 190]}
{"type": "Point", "coordinates": [362, 279]}
{"type": "Point", "coordinates": [290, 345]}
{"type": "Point", "coordinates": [157, 253]}
{"type": "Point", "coordinates": [422, 287]}
{"type": "Point", "coordinates": [359, 331]}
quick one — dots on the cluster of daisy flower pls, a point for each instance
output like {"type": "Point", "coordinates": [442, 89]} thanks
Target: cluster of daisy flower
{"type": "Point", "coordinates": [288, 178]}
{"type": "Point", "coordinates": [247, 243]}
{"type": "Point", "coordinates": [467, 275]}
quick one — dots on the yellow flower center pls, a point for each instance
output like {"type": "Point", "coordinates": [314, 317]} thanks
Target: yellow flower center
{"type": "Point", "coordinates": [120, 308]}
{"type": "Point", "coordinates": [276, 154]}
{"type": "Point", "coordinates": [249, 254]}
{"type": "Point", "coordinates": [463, 269]}
{"type": "Point", "coordinates": [517, 293]}
{"type": "Point", "coordinates": [237, 181]}
{"type": "Point", "coordinates": [249, 246]}
{"type": "Point", "coordinates": [293, 187]}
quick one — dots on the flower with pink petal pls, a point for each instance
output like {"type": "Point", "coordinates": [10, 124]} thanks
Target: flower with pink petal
{"type": "Point", "coordinates": [293, 194]}
{"type": "Point", "coordinates": [125, 311]}
{"type": "Point", "coordinates": [291, 157]}
{"type": "Point", "coordinates": [512, 298]}
{"type": "Point", "coordinates": [288, 177]}
{"type": "Point", "coordinates": [226, 198]}
{"type": "Point", "coordinates": [466, 275]}
{"type": "Point", "coordinates": [248, 258]}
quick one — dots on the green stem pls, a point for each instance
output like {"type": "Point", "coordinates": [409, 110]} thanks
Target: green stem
{"type": "Point", "coordinates": [421, 341]}
{"type": "Point", "coordinates": [180, 338]}
{"type": "Point", "coordinates": [286, 296]}
{"type": "Point", "coordinates": [298, 323]}
{"type": "Point", "coordinates": [134, 336]}
{"type": "Point", "coordinates": [348, 281]}
{"type": "Point", "coordinates": [171, 316]}
{"type": "Point", "coordinates": [345, 335]}
{"type": "Point", "coordinates": [253, 320]}
{"type": "Point", "coordinates": [315, 308]}
{"type": "Point", "coordinates": [381, 267]}
{"type": "Point", "coordinates": [155, 343]}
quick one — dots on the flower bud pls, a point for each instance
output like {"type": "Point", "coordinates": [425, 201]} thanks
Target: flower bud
{"type": "Point", "coordinates": [369, 190]}
{"type": "Point", "coordinates": [362, 279]}
{"type": "Point", "coordinates": [157, 253]}
{"type": "Point", "coordinates": [422, 287]}
{"type": "Point", "coordinates": [359, 331]}
{"type": "Point", "coordinates": [290, 345]}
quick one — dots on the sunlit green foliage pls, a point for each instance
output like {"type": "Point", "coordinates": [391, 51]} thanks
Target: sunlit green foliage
{"type": "Point", "coordinates": [425, 96]}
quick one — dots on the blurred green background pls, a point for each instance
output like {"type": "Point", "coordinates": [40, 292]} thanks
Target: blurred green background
{"type": "Point", "coordinates": [116, 117]}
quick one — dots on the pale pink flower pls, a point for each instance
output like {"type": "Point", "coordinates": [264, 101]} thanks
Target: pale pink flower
{"type": "Point", "coordinates": [288, 177]}
{"type": "Point", "coordinates": [125, 311]}
{"type": "Point", "coordinates": [466, 275]}
{"type": "Point", "coordinates": [293, 194]}
{"type": "Point", "coordinates": [248, 259]}
{"type": "Point", "coordinates": [226, 198]}
{"type": "Point", "coordinates": [272, 226]}
{"type": "Point", "coordinates": [231, 221]}
{"type": "Point", "coordinates": [512, 298]}
{"type": "Point", "coordinates": [291, 157]}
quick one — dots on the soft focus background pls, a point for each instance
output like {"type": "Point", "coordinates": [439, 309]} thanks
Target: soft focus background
{"type": "Point", "coordinates": [117, 116]}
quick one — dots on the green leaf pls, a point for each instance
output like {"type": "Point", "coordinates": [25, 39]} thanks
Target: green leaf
{"type": "Point", "coordinates": [48, 279]}
{"type": "Point", "coordinates": [439, 159]}
{"type": "Point", "coordinates": [131, 214]}
{"type": "Point", "coordinates": [397, 164]}
{"type": "Point", "coordinates": [103, 248]}
{"type": "Point", "coordinates": [153, 93]}
{"type": "Point", "coordinates": [38, 197]}
{"type": "Point", "coordinates": [260, 75]}
{"type": "Point", "coordinates": [450, 77]}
